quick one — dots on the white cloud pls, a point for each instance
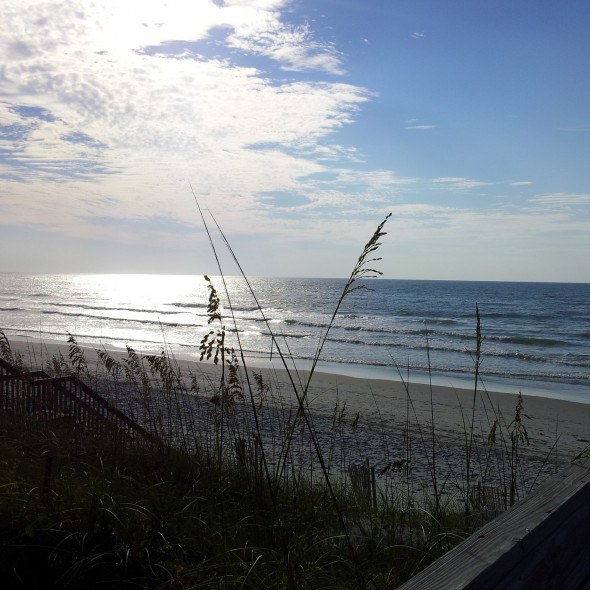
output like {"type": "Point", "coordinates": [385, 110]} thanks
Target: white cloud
{"type": "Point", "coordinates": [383, 179]}
{"type": "Point", "coordinates": [422, 127]}
{"type": "Point", "coordinates": [458, 183]}
{"type": "Point", "coordinates": [336, 194]}
{"type": "Point", "coordinates": [336, 152]}
{"type": "Point", "coordinates": [141, 125]}
{"type": "Point", "coordinates": [561, 200]}
{"type": "Point", "coordinates": [293, 47]}
{"type": "Point", "coordinates": [521, 183]}
{"type": "Point", "coordinates": [415, 124]}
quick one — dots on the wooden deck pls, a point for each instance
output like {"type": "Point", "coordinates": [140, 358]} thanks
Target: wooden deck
{"type": "Point", "coordinates": [36, 394]}
{"type": "Point", "coordinates": [541, 543]}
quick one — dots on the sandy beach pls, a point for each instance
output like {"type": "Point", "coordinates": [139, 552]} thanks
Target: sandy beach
{"type": "Point", "coordinates": [385, 421]}
{"type": "Point", "coordinates": [384, 410]}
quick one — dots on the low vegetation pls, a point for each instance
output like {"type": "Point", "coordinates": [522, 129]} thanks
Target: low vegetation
{"type": "Point", "coordinates": [239, 484]}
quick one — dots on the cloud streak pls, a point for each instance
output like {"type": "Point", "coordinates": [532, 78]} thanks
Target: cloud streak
{"type": "Point", "coordinates": [561, 200]}
{"type": "Point", "coordinates": [457, 183]}
{"type": "Point", "coordinates": [420, 127]}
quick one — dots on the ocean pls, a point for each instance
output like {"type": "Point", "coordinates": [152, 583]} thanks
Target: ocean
{"type": "Point", "coordinates": [536, 335]}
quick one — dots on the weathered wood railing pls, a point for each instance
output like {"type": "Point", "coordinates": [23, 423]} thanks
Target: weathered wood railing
{"type": "Point", "coordinates": [36, 394]}
{"type": "Point", "coordinates": [543, 542]}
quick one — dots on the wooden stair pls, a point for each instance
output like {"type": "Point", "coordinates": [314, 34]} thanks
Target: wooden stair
{"type": "Point", "coordinates": [37, 394]}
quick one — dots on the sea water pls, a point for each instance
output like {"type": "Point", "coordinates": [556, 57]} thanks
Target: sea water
{"type": "Point", "coordinates": [536, 336]}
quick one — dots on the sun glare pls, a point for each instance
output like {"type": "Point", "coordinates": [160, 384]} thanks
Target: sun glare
{"type": "Point", "coordinates": [132, 26]}
{"type": "Point", "coordinates": [148, 290]}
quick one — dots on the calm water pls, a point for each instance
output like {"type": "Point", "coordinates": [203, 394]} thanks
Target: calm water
{"type": "Point", "coordinates": [537, 335]}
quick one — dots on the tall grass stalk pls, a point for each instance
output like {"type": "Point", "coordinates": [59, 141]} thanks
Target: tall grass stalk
{"type": "Point", "coordinates": [469, 443]}
{"type": "Point", "coordinates": [269, 481]}
{"type": "Point", "coordinates": [362, 270]}
{"type": "Point", "coordinates": [432, 432]}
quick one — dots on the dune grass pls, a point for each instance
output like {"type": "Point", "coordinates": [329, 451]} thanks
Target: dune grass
{"type": "Point", "coordinates": [242, 484]}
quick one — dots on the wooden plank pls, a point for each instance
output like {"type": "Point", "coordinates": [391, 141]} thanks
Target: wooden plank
{"type": "Point", "coordinates": [541, 542]}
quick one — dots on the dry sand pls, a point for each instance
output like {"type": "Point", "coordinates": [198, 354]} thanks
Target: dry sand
{"type": "Point", "coordinates": [383, 420]}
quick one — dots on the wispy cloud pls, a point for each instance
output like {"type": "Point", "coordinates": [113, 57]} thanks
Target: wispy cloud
{"type": "Point", "coordinates": [416, 124]}
{"type": "Point", "coordinates": [417, 35]}
{"type": "Point", "coordinates": [521, 183]}
{"type": "Point", "coordinates": [337, 193]}
{"type": "Point", "coordinates": [581, 128]}
{"type": "Point", "coordinates": [560, 200]}
{"type": "Point", "coordinates": [458, 183]}
{"type": "Point", "coordinates": [291, 46]}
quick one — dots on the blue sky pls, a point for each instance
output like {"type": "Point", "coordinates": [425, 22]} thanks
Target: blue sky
{"type": "Point", "coordinates": [299, 125]}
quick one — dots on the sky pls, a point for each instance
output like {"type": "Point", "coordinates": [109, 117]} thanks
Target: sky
{"type": "Point", "coordinates": [297, 125]}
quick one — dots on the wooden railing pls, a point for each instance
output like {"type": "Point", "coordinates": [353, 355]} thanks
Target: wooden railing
{"type": "Point", "coordinates": [543, 542]}
{"type": "Point", "coordinates": [36, 394]}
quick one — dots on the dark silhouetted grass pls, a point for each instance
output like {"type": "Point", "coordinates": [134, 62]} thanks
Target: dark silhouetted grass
{"type": "Point", "coordinates": [239, 487]}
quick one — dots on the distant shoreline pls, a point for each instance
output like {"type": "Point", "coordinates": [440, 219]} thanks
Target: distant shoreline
{"type": "Point", "coordinates": [567, 392]}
